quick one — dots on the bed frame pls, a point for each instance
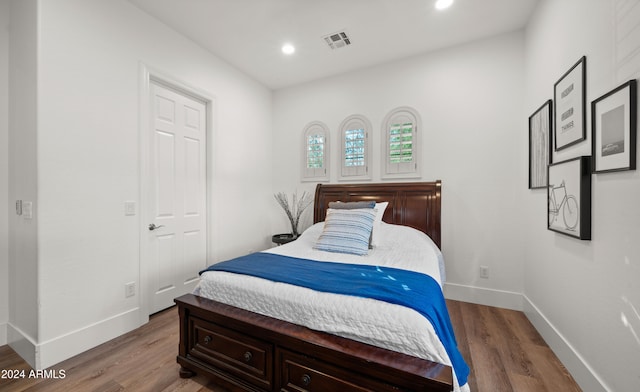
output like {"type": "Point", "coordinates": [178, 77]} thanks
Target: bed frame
{"type": "Point", "coordinates": [244, 351]}
{"type": "Point", "coordinates": [414, 204]}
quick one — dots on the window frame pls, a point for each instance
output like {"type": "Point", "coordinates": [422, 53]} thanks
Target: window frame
{"type": "Point", "coordinates": [401, 170]}
{"type": "Point", "coordinates": [346, 125]}
{"type": "Point", "coordinates": [318, 174]}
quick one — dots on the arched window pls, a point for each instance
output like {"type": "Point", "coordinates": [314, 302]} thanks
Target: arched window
{"type": "Point", "coordinates": [354, 148]}
{"type": "Point", "coordinates": [401, 144]}
{"type": "Point", "coordinates": [316, 152]}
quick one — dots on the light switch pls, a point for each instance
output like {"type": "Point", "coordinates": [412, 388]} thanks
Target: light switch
{"type": "Point", "coordinates": [129, 208]}
{"type": "Point", "coordinates": [27, 209]}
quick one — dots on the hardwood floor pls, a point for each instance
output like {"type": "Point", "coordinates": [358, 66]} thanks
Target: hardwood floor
{"type": "Point", "coordinates": [503, 350]}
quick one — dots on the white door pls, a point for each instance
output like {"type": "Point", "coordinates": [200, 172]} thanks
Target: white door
{"type": "Point", "coordinates": [177, 245]}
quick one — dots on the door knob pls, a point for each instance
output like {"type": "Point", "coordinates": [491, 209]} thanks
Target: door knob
{"type": "Point", "coordinates": [153, 226]}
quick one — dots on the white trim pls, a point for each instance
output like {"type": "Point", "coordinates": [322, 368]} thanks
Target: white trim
{"type": "Point", "coordinates": [304, 176]}
{"type": "Point", "coordinates": [147, 75]}
{"type": "Point", "coordinates": [584, 374]}
{"type": "Point", "coordinates": [357, 118]}
{"type": "Point", "coordinates": [212, 203]}
{"type": "Point", "coordinates": [53, 351]}
{"type": "Point", "coordinates": [56, 350]}
{"type": "Point", "coordinates": [483, 296]}
{"type": "Point", "coordinates": [22, 344]}
{"type": "Point", "coordinates": [143, 168]}
{"type": "Point", "coordinates": [417, 145]}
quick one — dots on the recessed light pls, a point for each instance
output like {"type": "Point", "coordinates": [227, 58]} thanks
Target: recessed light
{"type": "Point", "coordinates": [443, 4]}
{"type": "Point", "coordinates": [288, 49]}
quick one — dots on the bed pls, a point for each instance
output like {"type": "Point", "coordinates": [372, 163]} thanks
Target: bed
{"type": "Point", "coordinates": [231, 331]}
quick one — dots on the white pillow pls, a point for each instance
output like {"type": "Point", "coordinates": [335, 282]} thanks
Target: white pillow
{"type": "Point", "coordinates": [377, 223]}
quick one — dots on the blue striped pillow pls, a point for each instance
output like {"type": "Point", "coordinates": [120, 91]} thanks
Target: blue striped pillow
{"type": "Point", "coordinates": [347, 231]}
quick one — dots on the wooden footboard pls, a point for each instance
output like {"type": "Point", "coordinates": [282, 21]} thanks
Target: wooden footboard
{"type": "Point", "coordinates": [245, 351]}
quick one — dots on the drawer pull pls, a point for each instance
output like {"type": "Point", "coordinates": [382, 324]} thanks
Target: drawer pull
{"type": "Point", "coordinates": [207, 339]}
{"type": "Point", "coordinates": [247, 356]}
{"type": "Point", "coordinates": [306, 380]}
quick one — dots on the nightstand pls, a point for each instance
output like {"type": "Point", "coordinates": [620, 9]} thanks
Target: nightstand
{"type": "Point", "coordinates": [281, 239]}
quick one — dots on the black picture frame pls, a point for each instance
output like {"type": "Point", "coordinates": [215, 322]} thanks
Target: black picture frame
{"type": "Point", "coordinates": [540, 149]}
{"type": "Point", "coordinates": [569, 108]}
{"type": "Point", "coordinates": [569, 198]}
{"type": "Point", "coordinates": [614, 129]}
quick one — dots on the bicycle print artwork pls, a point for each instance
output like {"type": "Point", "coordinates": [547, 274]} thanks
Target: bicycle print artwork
{"type": "Point", "coordinates": [568, 205]}
{"type": "Point", "coordinates": [569, 197]}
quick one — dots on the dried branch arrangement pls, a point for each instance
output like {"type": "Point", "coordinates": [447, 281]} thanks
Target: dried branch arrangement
{"type": "Point", "coordinates": [295, 209]}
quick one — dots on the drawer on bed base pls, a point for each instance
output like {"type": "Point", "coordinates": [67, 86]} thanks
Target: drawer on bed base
{"type": "Point", "coordinates": [232, 352]}
{"type": "Point", "coordinates": [301, 373]}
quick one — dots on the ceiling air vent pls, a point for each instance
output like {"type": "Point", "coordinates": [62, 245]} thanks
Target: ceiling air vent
{"type": "Point", "coordinates": [337, 40]}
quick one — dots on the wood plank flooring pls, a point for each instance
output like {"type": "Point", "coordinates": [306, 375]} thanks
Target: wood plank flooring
{"type": "Point", "coordinates": [505, 352]}
{"type": "Point", "coordinates": [501, 347]}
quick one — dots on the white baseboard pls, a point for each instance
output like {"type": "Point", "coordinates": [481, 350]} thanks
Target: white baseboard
{"type": "Point", "coordinates": [66, 346]}
{"type": "Point", "coordinates": [22, 344]}
{"type": "Point", "coordinates": [483, 296]}
{"type": "Point", "coordinates": [3, 334]}
{"type": "Point", "coordinates": [584, 375]}
{"type": "Point", "coordinates": [51, 352]}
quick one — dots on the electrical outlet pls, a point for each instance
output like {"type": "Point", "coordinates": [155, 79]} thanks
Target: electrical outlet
{"type": "Point", "coordinates": [130, 289]}
{"type": "Point", "coordinates": [484, 272]}
{"type": "Point", "coordinates": [129, 208]}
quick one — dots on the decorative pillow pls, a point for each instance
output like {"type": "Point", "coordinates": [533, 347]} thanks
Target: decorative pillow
{"type": "Point", "coordinates": [351, 205]}
{"type": "Point", "coordinates": [375, 236]}
{"type": "Point", "coordinates": [347, 231]}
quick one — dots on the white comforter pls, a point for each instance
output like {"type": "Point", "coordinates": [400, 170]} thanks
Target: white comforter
{"type": "Point", "coordinates": [370, 321]}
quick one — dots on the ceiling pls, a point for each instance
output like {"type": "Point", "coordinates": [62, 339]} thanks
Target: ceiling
{"type": "Point", "coordinates": [249, 34]}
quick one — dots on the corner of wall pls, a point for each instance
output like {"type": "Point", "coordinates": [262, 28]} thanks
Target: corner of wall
{"type": "Point", "coordinates": [584, 375]}
{"type": "Point", "coordinates": [64, 347]}
{"type": "Point", "coordinates": [22, 344]}
{"type": "Point", "coordinates": [4, 170]}
{"type": "Point", "coordinates": [3, 334]}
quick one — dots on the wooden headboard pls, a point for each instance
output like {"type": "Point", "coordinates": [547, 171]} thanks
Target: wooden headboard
{"type": "Point", "coordinates": [414, 204]}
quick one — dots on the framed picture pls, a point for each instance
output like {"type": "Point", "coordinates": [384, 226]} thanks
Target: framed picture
{"type": "Point", "coordinates": [569, 195]}
{"type": "Point", "coordinates": [539, 146]}
{"type": "Point", "coordinates": [614, 124]}
{"type": "Point", "coordinates": [569, 97]}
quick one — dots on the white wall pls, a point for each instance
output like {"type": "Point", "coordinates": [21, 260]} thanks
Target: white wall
{"type": "Point", "coordinates": [473, 99]}
{"type": "Point", "coordinates": [588, 291]}
{"type": "Point", "coordinates": [22, 330]}
{"type": "Point", "coordinates": [470, 102]}
{"type": "Point", "coordinates": [584, 295]}
{"type": "Point", "coordinates": [4, 169]}
{"type": "Point", "coordinates": [90, 55]}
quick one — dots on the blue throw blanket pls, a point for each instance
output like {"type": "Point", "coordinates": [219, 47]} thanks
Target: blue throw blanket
{"type": "Point", "coordinates": [411, 289]}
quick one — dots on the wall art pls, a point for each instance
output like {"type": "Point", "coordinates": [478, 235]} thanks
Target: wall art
{"type": "Point", "coordinates": [614, 129]}
{"type": "Point", "coordinates": [569, 197]}
{"type": "Point", "coordinates": [539, 146]}
{"type": "Point", "coordinates": [569, 97]}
